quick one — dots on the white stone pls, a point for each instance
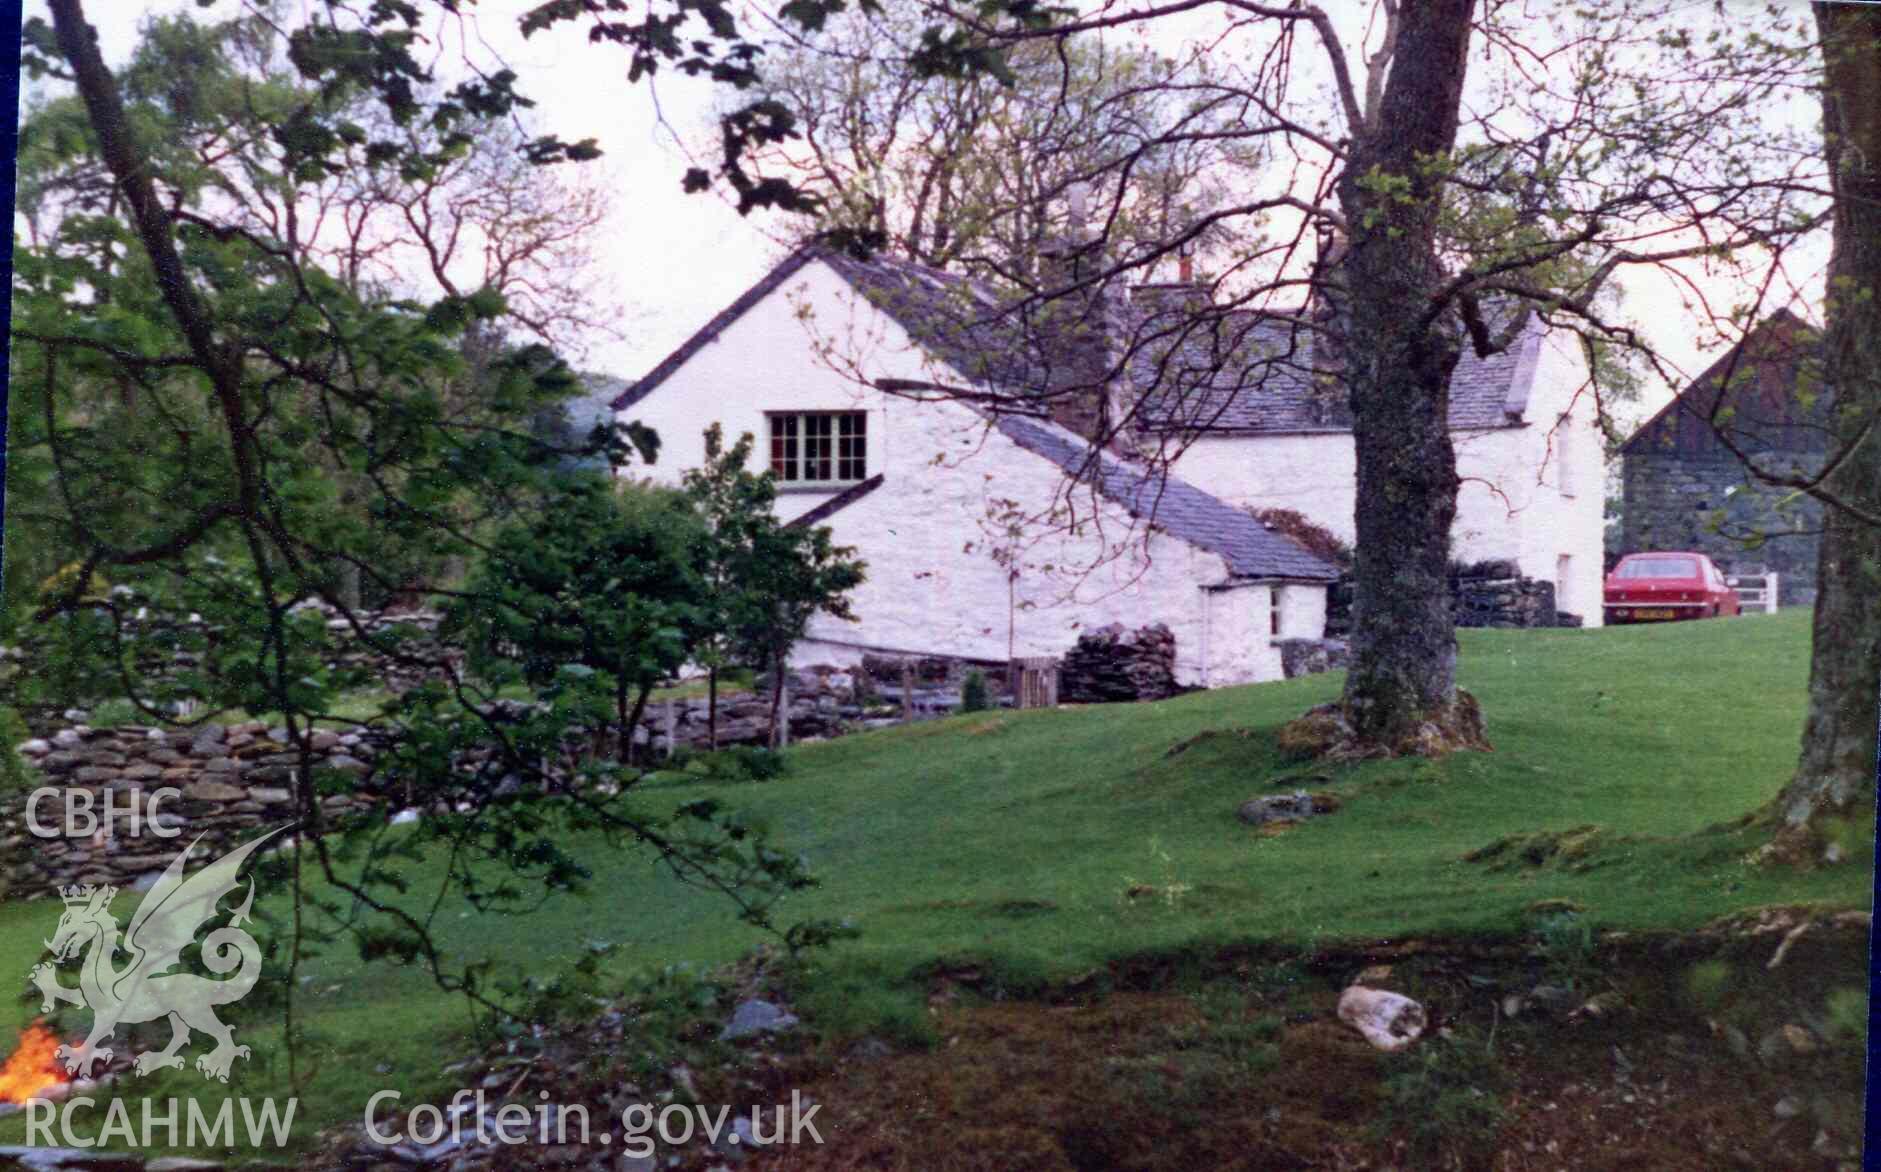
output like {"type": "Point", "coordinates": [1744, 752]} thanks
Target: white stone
{"type": "Point", "coordinates": [1389, 1021]}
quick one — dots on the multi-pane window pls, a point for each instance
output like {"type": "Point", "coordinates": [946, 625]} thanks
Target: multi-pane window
{"type": "Point", "coordinates": [819, 446]}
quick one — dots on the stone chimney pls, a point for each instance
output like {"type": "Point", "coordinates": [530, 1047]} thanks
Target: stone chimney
{"type": "Point", "coordinates": [1079, 336]}
{"type": "Point", "coordinates": [1153, 299]}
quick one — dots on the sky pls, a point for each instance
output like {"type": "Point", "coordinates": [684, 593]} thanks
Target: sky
{"type": "Point", "coordinates": [674, 259]}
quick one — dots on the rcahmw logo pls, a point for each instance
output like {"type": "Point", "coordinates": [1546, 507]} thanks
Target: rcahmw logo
{"type": "Point", "coordinates": [144, 989]}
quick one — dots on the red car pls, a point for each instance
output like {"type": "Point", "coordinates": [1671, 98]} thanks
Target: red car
{"type": "Point", "coordinates": [1657, 587]}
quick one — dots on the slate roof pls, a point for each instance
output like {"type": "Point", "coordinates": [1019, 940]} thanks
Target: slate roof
{"type": "Point", "coordinates": [1248, 373]}
{"type": "Point", "coordinates": [572, 420]}
{"type": "Point", "coordinates": [1172, 504]}
{"type": "Point", "coordinates": [1777, 399]}
{"type": "Point", "coordinates": [1233, 371]}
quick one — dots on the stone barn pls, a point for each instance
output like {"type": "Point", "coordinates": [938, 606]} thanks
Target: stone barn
{"type": "Point", "coordinates": [1685, 488]}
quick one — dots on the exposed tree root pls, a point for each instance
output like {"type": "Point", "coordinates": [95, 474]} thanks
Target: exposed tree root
{"type": "Point", "coordinates": [1328, 733]}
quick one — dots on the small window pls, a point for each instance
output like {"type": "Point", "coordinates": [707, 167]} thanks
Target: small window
{"type": "Point", "coordinates": [819, 447]}
{"type": "Point", "coordinates": [1273, 611]}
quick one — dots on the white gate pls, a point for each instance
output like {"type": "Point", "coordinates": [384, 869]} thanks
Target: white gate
{"type": "Point", "coordinates": [1755, 592]}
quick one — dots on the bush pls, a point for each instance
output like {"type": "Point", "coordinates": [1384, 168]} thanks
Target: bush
{"type": "Point", "coordinates": [1444, 1100]}
{"type": "Point", "coordinates": [1317, 540]}
{"type": "Point", "coordinates": [1848, 1015]}
{"type": "Point", "coordinates": [744, 763]}
{"type": "Point", "coordinates": [16, 776]}
{"type": "Point", "coordinates": [973, 693]}
{"type": "Point", "coordinates": [1706, 983]}
{"type": "Point", "coordinates": [1566, 944]}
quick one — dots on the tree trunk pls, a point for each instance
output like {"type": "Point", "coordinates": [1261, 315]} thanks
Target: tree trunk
{"type": "Point", "coordinates": [625, 744]}
{"type": "Point", "coordinates": [632, 722]}
{"type": "Point", "coordinates": [711, 707]}
{"type": "Point", "coordinates": [777, 693]}
{"type": "Point", "coordinates": [1835, 774]}
{"type": "Point", "coordinates": [1400, 693]}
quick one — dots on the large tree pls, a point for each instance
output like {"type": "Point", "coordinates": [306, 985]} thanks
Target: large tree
{"type": "Point", "coordinates": [1835, 776]}
{"type": "Point", "coordinates": [969, 171]}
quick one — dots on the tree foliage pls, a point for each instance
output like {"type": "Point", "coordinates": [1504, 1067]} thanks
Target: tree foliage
{"type": "Point", "coordinates": [764, 579]}
{"type": "Point", "coordinates": [971, 171]}
{"type": "Point", "coordinates": [214, 416]}
{"type": "Point", "coordinates": [595, 583]}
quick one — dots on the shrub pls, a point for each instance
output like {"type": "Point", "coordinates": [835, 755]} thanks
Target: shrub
{"type": "Point", "coordinates": [1319, 541]}
{"type": "Point", "coordinates": [1444, 1100]}
{"type": "Point", "coordinates": [974, 696]}
{"type": "Point", "coordinates": [1706, 982]}
{"type": "Point", "coordinates": [1566, 944]}
{"type": "Point", "coordinates": [1848, 1015]}
{"type": "Point", "coordinates": [744, 763]}
{"type": "Point", "coordinates": [16, 776]}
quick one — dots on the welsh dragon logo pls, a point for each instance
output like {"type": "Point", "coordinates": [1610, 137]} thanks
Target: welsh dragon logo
{"type": "Point", "coordinates": [165, 923]}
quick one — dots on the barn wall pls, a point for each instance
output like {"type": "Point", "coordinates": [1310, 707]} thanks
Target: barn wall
{"type": "Point", "coordinates": [1675, 500]}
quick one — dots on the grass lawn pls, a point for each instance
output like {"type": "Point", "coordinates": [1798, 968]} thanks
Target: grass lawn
{"type": "Point", "coordinates": [1013, 842]}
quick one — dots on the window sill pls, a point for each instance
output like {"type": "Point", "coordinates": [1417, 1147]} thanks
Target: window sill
{"type": "Point", "coordinates": [805, 486]}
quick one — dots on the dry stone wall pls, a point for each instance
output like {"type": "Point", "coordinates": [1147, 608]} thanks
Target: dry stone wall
{"type": "Point", "coordinates": [232, 781]}
{"type": "Point", "coordinates": [228, 783]}
{"type": "Point", "coordinates": [1111, 664]}
{"type": "Point", "coordinates": [1490, 595]}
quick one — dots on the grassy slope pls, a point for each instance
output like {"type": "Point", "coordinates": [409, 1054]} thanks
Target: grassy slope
{"type": "Point", "coordinates": [1009, 840]}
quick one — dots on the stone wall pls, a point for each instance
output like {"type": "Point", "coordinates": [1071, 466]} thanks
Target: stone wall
{"type": "Point", "coordinates": [1111, 664]}
{"type": "Point", "coordinates": [1305, 657]}
{"type": "Point", "coordinates": [151, 648]}
{"type": "Point", "coordinates": [1705, 503]}
{"type": "Point", "coordinates": [1494, 598]}
{"type": "Point", "coordinates": [1506, 602]}
{"type": "Point", "coordinates": [231, 781]}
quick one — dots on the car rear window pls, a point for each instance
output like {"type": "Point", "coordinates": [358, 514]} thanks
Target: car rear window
{"type": "Point", "coordinates": [1658, 567]}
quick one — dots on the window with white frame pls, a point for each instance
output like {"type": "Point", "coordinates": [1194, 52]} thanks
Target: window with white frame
{"type": "Point", "coordinates": [819, 447]}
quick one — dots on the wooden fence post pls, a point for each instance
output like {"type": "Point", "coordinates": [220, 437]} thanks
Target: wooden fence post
{"type": "Point", "coordinates": [907, 691]}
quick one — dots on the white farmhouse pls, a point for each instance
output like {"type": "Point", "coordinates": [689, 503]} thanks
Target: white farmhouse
{"type": "Point", "coordinates": [992, 527]}
{"type": "Point", "coordinates": [1271, 431]}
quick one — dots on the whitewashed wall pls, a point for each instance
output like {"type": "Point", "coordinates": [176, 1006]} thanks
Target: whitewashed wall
{"type": "Point", "coordinates": [1510, 505]}
{"type": "Point", "coordinates": [1564, 440]}
{"type": "Point", "coordinates": [954, 491]}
